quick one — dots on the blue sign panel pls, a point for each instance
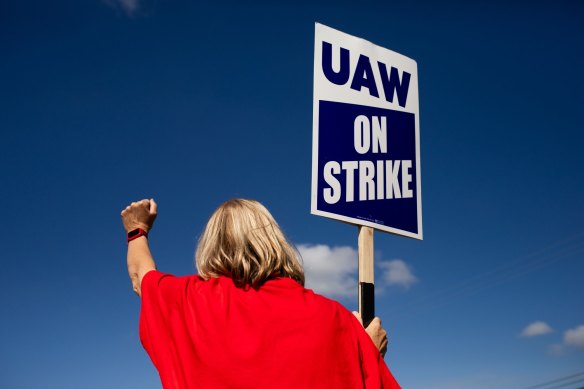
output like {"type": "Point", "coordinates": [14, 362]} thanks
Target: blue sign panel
{"type": "Point", "coordinates": [377, 185]}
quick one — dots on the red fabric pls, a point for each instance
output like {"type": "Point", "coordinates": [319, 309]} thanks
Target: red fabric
{"type": "Point", "coordinates": [211, 334]}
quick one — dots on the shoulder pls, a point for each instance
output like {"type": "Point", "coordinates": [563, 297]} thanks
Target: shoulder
{"type": "Point", "coordinates": [157, 282]}
{"type": "Point", "coordinates": [329, 302]}
{"type": "Point", "coordinates": [334, 310]}
{"type": "Point", "coordinates": [155, 277]}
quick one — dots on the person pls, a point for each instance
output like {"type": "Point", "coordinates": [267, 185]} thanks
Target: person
{"type": "Point", "coordinates": [246, 320]}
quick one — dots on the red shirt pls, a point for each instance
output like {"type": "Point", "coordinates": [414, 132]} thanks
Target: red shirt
{"type": "Point", "coordinates": [211, 334]}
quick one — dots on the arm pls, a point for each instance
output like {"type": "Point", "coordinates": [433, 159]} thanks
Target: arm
{"type": "Point", "coordinates": [139, 214]}
{"type": "Point", "coordinates": [376, 332]}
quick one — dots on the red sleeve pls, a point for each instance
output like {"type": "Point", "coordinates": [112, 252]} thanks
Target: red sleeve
{"type": "Point", "coordinates": [162, 297]}
{"type": "Point", "coordinates": [376, 374]}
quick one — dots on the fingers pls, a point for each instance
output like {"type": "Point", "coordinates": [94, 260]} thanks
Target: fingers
{"type": "Point", "coordinates": [149, 204]}
{"type": "Point", "coordinates": [358, 316]}
{"type": "Point", "coordinates": [383, 349]}
{"type": "Point", "coordinates": [375, 323]}
{"type": "Point", "coordinates": [384, 343]}
{"type": "Point", "coordinates": [378, 335]}
{"type": "Point", "coordinates": [384, 340]}
{"type": "Point", "coordinates": [125, 211]}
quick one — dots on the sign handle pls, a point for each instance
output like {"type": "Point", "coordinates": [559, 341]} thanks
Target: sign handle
{"type": "Point", "coordinates": [366, 279]}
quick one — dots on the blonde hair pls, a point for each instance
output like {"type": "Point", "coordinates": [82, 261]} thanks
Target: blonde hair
{"type": "Point", "coordinates": [243, 241]}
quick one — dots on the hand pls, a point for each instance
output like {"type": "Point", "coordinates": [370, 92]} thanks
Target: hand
{"type": "Point", "coordinates": [140, 214]}
{"type": "Point", "coordinates": [376, 332]}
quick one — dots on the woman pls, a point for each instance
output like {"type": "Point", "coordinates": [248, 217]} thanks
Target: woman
{"type": "Point", "coordinates": [246, 321]}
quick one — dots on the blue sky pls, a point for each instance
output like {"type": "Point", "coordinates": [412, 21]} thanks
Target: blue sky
{"type": "Point", "coordinates": [105, 102]}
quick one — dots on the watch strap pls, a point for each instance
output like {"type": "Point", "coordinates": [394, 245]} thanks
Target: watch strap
{"type": "Point", "coordinates": [136, 233]}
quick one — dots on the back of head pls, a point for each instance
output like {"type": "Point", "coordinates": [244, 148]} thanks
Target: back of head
{"type": "Point", "coordinates": [243, 241]}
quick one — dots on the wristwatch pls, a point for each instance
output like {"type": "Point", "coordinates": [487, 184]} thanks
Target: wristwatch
{"type": "Point", "coordinates": [138, 232]}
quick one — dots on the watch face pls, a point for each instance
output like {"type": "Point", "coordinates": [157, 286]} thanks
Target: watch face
{"type": "Point", "coordinates": [133, 233]}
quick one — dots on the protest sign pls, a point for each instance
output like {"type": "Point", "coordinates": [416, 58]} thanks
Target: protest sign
{"type": "Point", "coordinates": [366, 143]}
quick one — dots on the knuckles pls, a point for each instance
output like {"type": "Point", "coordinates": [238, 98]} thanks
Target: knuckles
{"type": "Point", "coordinates": [375, 323]}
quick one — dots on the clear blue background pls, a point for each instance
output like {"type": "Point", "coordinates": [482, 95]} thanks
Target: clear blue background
{"type": "Point", "coordinates": [194, 104]}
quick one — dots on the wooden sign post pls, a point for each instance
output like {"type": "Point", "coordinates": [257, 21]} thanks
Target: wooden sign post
{"type": "Point", "coordinates": [366, 276]}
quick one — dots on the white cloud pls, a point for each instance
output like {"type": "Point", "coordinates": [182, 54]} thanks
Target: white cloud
{"type": "Point", "coordinates": [575, 337]}
{"type": "Point", "coordinates": [331, 271]}
{"type": "Point", "coordinates": [397, 272]}
{"type": "Point", "coordinates": [536, 329]}
{"type": "Point", "coordinates": [128, 6]}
